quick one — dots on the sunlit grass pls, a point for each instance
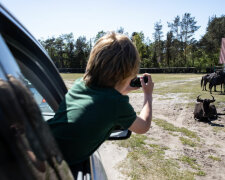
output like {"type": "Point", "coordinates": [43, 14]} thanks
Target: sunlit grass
{"type": "Point", "coordinates": [188, 142]}
{"type": "Point", "coordinates": [215, 158]}
{"type": "Point", "coordinates": [157, 78]}
{"type": "Point", "coordinates": [71, 76]}
{"type": "Point", "coordinates": [170, 127]}
{"type": "Point", "coordinates": [146, 160]}
{"type": "Point", "coordinates": [218, 129]}
{"type": "Point", "coordinates": [193, 164]}
{"type": "Point", "coordinates": [191, 89]}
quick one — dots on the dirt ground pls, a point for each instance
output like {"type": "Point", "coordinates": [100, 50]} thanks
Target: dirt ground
{"type": "Point", "coordinates": [172, 109]}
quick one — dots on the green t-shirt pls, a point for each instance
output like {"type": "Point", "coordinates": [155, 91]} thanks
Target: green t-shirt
{"type": "Point", "coordinates": [86, 118]}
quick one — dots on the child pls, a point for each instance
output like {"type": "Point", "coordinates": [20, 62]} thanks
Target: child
{"type": "Point", "coordinates": [97, 103]}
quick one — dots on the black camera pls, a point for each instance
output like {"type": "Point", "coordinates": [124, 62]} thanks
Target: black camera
{"type": "Point", "coordinates": [137, 83]}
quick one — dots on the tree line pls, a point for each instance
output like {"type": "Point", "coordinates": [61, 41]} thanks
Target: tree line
{"type": "Point", "coordinates": [178, 49]}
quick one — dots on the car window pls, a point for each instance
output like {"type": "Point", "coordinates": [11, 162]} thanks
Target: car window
{"type": "Point", "coordinates": [43, 105]}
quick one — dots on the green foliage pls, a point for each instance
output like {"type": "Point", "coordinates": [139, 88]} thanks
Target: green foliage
{"type": "Point", "coordinates": [158, 45]}
{"type": "Point", "coordinates": [99, 35]}
{"type": "Point", "coordinates": [67, 52]}
{"type": "Point", "coordinates": [211, 41]}
{"type": "Point", "coordinates": [179, 49]}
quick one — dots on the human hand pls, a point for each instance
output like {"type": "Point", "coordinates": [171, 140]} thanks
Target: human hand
{"type": "Point", "coordinates": [148, 87]}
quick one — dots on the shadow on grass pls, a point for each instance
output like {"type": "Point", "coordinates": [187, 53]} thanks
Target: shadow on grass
{"type": "Point", "coordinates": [211, 123]}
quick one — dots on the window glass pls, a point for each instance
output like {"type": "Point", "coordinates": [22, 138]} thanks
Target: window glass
{"type": "Point", "coordinates": [43, 105]}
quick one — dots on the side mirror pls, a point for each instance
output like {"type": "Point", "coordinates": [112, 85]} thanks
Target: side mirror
{"type": "Point", "coordinates": [120, 134]}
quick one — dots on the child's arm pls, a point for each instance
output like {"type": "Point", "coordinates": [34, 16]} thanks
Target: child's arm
{"type": "Point", "coordinates": [143, 122]}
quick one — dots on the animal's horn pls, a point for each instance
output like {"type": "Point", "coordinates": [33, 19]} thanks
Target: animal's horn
{"type": "Point", "coordinates": [199, 100]}
{"type": "Point", "coordinates": [213, 100]}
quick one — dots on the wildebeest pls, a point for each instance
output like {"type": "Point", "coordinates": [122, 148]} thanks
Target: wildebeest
{"type": "Point", "coordinates": [203, 110]}
{"type": "Point", "coordinates": [205, 80]}
{"type": "Point", "coordinates": [218, 79]}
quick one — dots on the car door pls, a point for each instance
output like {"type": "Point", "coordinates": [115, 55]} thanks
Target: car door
{"type": "Point", "coordinates": [23, 58]}
{"type": "Point", "coordinates": [28, 150]}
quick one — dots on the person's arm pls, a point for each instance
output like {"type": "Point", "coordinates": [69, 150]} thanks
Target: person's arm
{"type": "Point", "coordinates": [143, 122]}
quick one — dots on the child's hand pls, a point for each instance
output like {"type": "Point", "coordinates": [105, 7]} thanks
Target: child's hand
{"type": "Point", "coordinates": [148, 87]}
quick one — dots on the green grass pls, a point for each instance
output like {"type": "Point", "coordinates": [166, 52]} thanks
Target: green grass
{"type": "Point", "coordinates": [193, 164]}
{"type": "Point", "coordinates": [158, 78]}
{"type": "Point", "coordinates": [190, 161]}
{"type": "Point", "coordinates": [215, 158]}
{"type": "Point", "coordinates": [190, 89]}
{"type": "Point", "coordinates": [146, 160]}
{"type": "Point", "coordinates": [200, 173]}
{"type": "Point", "coordinates": [163, 99]}
{"type": "Point", "coordinates": [218, 129]}
{"type": "Point", "coordinates": [134, 141]}
{"type": "Point", "coordinates": [170, 127]}
{"type": "Point", "coordinates": [188, 142]}
{"type": "Point", "coordinates": [71, 76]}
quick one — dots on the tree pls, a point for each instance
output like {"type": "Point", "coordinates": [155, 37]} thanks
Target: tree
{"type": "Point", "coordinates": [183, 31]}
{"type": "Point", "coordinates": [82, 51]}
{"type": "Point", "coordinates": [188, 28]}
{"type": "Point", "coordinates": [69, 48]}
{"type": "Point", "coordinates": [99, 35]}
{"type": "Point", "coordinates": [211, 41]}
{"type": "Point", "coordinates": [120, 30]}
{"type": "Point", "coordinates": [168, 47]}
{"type": "Point", "coordinates": [49, 45]}
{"type": "Point", "coordinates": [138, 39]}
{"type": "Point", "coordinates": [175, 27]}
{"type": "Point", "coordinates": [157, 35]}
{"type": "Point", "coordinates": [60, 50]}
{"type": "Point", "coordinates": [176, 42]}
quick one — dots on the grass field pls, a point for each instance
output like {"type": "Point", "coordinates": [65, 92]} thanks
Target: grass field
{"type": "Point", "coordinates": [71, 76]}
{"type": "Point", "coordinates": [181, 85]}
{"type": "Point", "coordinates": [156, 77]}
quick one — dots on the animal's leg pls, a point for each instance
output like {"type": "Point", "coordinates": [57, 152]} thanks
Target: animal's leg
{"type": "Point", "coordinates": [205, 85]}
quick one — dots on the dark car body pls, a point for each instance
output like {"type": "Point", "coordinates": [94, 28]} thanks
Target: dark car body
{"type": "Point", "coordinates": [22, 57]}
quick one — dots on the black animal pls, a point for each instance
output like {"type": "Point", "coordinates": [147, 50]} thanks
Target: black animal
{"type": "Point", "coordinates": [205, 79]}
{"type": "Point", "coordinates": [204, 111]}
{"type": "Point", "coordinates": [218, 79]}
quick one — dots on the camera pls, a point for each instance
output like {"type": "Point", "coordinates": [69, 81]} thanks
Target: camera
{"type": "Point", "coordinates": [137, 83]}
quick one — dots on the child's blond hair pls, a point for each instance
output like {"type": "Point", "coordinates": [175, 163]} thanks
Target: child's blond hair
{"type": "Point", "coordinates": [113, 59]}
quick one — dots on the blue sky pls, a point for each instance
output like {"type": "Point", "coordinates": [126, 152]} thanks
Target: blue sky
{"type": "Point", "coordinates": [46, 18]}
